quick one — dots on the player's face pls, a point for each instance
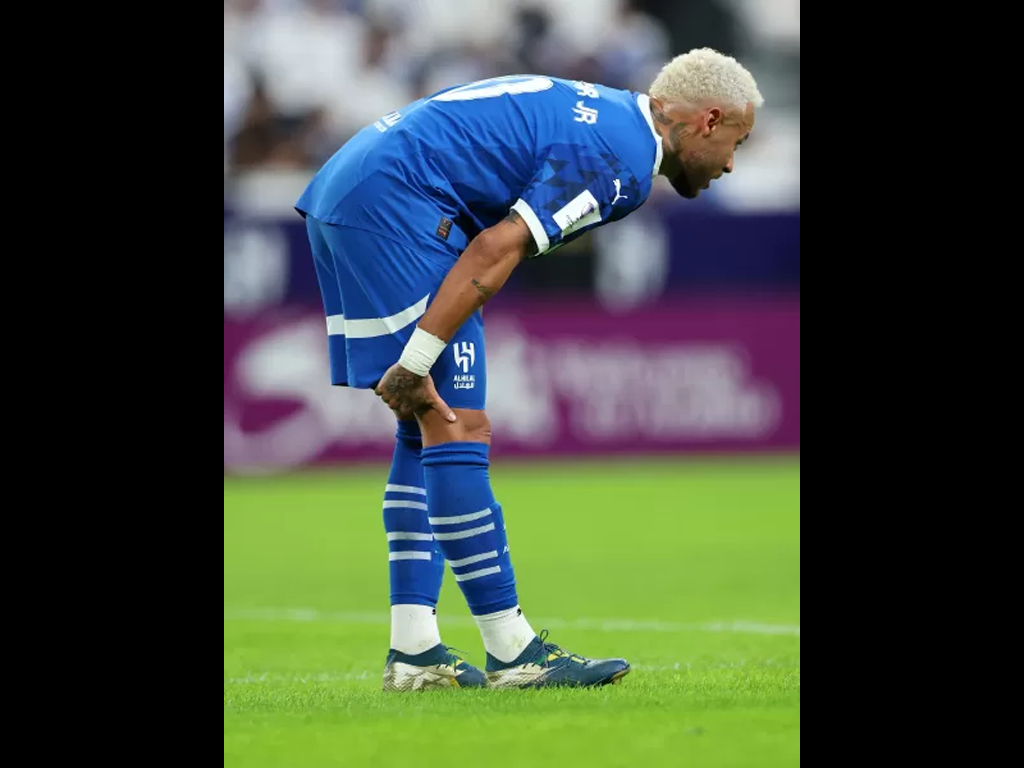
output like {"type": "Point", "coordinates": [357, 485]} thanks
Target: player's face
{"type": "Point", "coordinates": [703, 149]}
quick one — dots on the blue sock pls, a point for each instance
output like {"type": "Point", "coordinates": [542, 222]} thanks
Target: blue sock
{"type": "Point", "coordinates": [416, 562]}
{"type": "Point", "coordinates": [468, 524]}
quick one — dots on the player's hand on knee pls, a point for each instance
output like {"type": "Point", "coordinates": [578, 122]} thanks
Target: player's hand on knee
{"type": "Point", "coordinates": [434, 401]}
{"type": "Point", "coordinates": [407, 394]}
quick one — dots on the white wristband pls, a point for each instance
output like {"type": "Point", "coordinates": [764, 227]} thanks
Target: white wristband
{"type": "Point", "coordinates": [421, 352]}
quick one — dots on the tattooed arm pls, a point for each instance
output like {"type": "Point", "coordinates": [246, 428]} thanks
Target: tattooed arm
{"type": "Point", "coordinates": [479, 273]}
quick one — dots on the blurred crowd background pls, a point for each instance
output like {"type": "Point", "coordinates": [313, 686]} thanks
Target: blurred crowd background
{"type": "Point", "coordinates": [301, 76]}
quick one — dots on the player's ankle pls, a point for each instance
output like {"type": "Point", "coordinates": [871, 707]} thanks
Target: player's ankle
{"type": "Point", "coordinates": [506, 633]}
{"type": "Point", "coordinates": [414, 628]}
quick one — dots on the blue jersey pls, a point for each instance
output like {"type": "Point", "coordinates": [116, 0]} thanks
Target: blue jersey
{"type": "Point", "coordinates": [566, 155]}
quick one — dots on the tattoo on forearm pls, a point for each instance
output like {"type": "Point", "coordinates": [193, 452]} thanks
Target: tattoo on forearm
{"type": "Point", "coordinates": [483, 289]}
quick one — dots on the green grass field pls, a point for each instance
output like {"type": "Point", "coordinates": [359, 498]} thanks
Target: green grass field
{"type": "Point", "coordinates": [690, 569]}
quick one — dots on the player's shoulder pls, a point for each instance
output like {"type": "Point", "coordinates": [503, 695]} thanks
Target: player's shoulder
{"type": "Point", "coordinates": [597, 95]}
{"type": "Point", "coordinates": [611, 121]}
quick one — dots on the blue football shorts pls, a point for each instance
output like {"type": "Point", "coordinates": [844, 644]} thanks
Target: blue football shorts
{"type": "Point", "coordinates": [374, 291]}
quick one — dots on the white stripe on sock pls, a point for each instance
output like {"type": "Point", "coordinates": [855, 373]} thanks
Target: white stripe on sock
{"type": "Point", "coordinates": [405, 505]}
{"type": "Point", "coordinates": [473, 559]}
{"type": "Point", "coordinates": [389, 488]}
{"type": "Point", "coordinates": [407, 536]}
{"type": "Point", "coordinates": [464, 534]}
{"type": "Point", "coordinates": [477, 574]}
{"type": "Point", "coordinates": [409, 555]}
{"type": "Point", "coordinates": [459, 518]}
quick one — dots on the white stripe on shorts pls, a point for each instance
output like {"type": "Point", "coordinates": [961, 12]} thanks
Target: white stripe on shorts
{"type": "Point", "coordinates": [371, 327]}
{"type": "Point", "coordinates": [335, 325]}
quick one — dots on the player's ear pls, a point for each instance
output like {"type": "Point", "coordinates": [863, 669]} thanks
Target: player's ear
{"type": "Point", "coordinates": [712, 119]}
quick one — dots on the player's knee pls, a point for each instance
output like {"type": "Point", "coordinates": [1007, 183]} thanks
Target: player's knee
{"type": "Point", "coordinates": [470, 426]}
{"type": "Point", "coordinates": [476, 425]}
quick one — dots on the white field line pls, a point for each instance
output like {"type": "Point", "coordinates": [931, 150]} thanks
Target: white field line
{"type": "Point", "coordinates": [366, 674]}
{"type": "Point", "coordinates": [594, 625]}
{"type": "Point", "coordinates": [316, 677]}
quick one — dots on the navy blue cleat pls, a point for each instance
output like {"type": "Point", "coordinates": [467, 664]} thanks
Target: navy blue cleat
{"type": "Point", "coordinates": [543, 664]}
{"type": "Point", "coordinates": [436, 668]}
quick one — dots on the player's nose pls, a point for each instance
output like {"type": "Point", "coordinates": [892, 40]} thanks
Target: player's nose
{"type": "Point", "coordinates": [728, 166]}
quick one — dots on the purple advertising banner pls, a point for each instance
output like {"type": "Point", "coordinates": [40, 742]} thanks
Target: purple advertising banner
{"type": "Point", "coordinates": [563, 379]}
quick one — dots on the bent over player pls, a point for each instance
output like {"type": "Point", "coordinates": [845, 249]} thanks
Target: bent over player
{"type": "Point", "coordinates": [414, 224]}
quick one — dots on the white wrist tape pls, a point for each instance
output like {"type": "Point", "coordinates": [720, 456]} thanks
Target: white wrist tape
{"type": "Point", "coordinates": [421, 352]}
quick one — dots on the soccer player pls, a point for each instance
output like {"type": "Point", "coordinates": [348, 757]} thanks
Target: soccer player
{"type": "Point", "coordinates": [414, 224]}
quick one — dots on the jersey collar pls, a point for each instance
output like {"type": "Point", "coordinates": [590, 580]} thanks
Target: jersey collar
{"type": "Point", "coordinates": [644, 102]}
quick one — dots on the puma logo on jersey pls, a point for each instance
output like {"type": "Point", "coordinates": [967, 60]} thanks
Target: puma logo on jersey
{"type": "Point", "coordinates": [618, 190]}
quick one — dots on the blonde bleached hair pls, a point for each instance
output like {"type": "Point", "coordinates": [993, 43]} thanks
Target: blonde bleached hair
{"type": "Point", "coordinates": [704, 74]}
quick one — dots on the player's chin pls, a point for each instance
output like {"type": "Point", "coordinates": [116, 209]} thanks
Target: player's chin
{"type": "Point", "coordinates": [684, 188]}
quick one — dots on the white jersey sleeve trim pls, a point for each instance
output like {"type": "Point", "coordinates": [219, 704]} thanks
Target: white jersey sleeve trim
{"type": "Point", "coordinates": [533, 223]}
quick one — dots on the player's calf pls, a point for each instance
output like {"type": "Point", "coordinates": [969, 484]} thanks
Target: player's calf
{"type": "Point", "coordinates": [415, 563]}
{"type": "Point", "coordinates": [417, 659]}
{"type": "Point", "coordinates": [469, 526]}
